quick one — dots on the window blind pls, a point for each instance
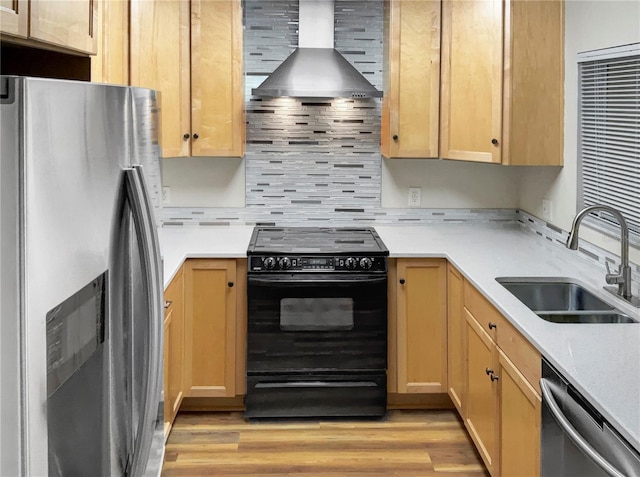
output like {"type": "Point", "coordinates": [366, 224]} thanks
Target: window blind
{"type": "Point", "coordinates": [609, 132]}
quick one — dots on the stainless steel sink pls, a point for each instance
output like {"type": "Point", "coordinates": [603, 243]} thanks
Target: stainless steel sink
{"type": "Point", "coordinates": [561, 300]}
{"type": "Point", "coordinates": [586, 317]}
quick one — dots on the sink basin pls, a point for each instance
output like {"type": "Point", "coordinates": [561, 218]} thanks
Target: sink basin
{"type": "Point", "coordinates": [553, 295]}
{"type": "Point", "coordinates": [561, 300]}
{"type": "Point", "coordinates": [586, 317]}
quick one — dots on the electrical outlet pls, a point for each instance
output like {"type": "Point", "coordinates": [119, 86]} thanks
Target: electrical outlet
{"type": "Point", "coordinates": [166, 195]}
{"type": "Point", "coordinates": [414, 196]}
{"type": "Point", "coordinates": [547, 209]}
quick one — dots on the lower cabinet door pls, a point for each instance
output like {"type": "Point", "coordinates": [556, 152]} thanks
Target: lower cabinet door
{"type": "Point", "coordinates": [520, 414]}
{"type": "Point", "coordinates": [482, 389]}
{"type": "Point", "coordinates": [210, 327]}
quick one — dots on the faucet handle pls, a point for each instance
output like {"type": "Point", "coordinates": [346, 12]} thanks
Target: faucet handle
{"type": "Point", "coordinates": [613, 278]}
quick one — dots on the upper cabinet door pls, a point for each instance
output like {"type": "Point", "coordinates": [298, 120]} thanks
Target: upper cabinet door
{"type": "Point", "coordinates": [14, 17]}
{"type": "Point", "coordinates": [160, 61]}
{"type": "Point", "coordinates": [71, 24]}
{"type": "Point", "coordinates": [472, 68]}
{"type": "Point", "coordinates": [111, 62]}
{"type": "Point", "coordinates": [411, 102]}
{"type": "Point", "coordinates": [217, 90]}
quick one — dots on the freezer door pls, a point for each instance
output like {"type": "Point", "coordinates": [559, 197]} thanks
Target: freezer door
{"type": "Point", "coordinates": [10, 448]}
{"type": "Point", "coordinates": [75, 148]}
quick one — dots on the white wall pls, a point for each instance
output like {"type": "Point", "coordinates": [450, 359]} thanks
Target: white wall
{"type": "Point", "coordinates": [204, 181]}
{"type": "Point", "coordinates": [449, 184]}
{"type": "Point", "coordinates": [589, 25]}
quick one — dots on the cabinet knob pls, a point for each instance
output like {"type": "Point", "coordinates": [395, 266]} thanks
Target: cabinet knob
{"type": "Point", "coordinates": [494, 377]}
{"type": "Point", "coordinates": [167, 304]}
{"type": "Point", "coordinates": [186, 136]}
{"type": "Point", "coordinates": [494, 141]}
{"type": "Point", "coordinates": [230, 284]}
{"type": "Point", "coordinates": [402, 281]}
{"type": "Point", "coordinates": [489, 371]}
{"type": "Point", "coordinates": [395, 137]}
{"type": "Point", "coordinates": [195, 136]}
{"type": "Point", "coordinates": [492, 326]}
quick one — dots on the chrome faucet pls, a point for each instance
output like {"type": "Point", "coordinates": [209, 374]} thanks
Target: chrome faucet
{"type": "Point", "coordinates": [623, 277]}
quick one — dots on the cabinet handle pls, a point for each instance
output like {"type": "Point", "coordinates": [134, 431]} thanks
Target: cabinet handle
{"type": "Point", "coordinates": [230, 284]}
{"type": "Point", "coordinates": [494, 377]}
{"type": "Point", "coordinates": [186, 136]}
{"type": "Point", "coordinates": [167, 304]}
{"type": "Point", "coordinates": [489, 371]}
{"type": "Point", "coordinates": [492, 326]}
{"type": "Point", "coordinates": [494, 141]}
{"type": "Point", "coordinates": [395, 137]}
{"type": "Point", "coordinates": [195, 136]}
{"type": "Point", "coordinates": [402, 281]}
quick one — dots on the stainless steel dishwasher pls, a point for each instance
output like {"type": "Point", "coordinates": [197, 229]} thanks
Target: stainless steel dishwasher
{"type": "Point", "coordinates": [576, 439]}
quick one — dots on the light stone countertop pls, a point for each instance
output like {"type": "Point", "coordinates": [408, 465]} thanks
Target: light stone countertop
{"type": "Point", "coordinates": [601, 360]}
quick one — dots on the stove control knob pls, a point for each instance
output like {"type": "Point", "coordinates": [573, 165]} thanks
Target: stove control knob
{"type": "Point", "coordinates": [366, 263]}
{"type": "Point", "coordinates": [269, 263]}
{"type": "Point", "coordinates": [284, 263]}
{"type": "Point", "coordinates": [350, 263]}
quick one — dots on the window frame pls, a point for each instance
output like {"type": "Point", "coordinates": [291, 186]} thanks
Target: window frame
{"type": "Point", "coordinates": [603, 222]}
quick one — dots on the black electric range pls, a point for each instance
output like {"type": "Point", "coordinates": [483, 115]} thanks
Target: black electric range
{"type": "Point", "coordinates": [316, 323]}
{"type": "Point", "coordinates": [322, 249]}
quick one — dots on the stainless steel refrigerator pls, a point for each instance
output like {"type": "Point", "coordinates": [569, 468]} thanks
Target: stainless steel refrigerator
{"type": "Point", "coordinates": [81, 280]}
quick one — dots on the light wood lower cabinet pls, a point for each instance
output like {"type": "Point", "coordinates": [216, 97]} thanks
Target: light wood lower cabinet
{"type": "Point", "coordinates": [173, 349]}
{"type": "Point", "coordinates": [456, 339]}
{"type": "Point", "coordinates": [212, 291]}
{"type": "Point", "coordinates": [482, 392]}
{"type": "Point", "coordinates": [503, 404]}
{"type": "Point", "coordinates": [421, 320]}
{"type": "Point", "coordinates": [520, 414]}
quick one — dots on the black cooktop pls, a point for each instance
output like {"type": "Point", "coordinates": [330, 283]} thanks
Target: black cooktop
{"type": "Point", "coordinates": [316, 240]}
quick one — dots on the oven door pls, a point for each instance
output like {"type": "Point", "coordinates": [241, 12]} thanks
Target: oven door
{"type": "Point", "coordinates": [316, 323]}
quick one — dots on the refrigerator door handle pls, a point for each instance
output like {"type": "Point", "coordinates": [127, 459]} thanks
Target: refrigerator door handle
{"type": "Point", "coordinates": [143, 221]}
{"type": "Point", "coordinates": [550, 401]}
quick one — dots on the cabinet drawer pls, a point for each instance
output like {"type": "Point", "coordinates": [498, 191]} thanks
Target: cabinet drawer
{"type": "Point", "coordinates": [522, 353]}
{"type": "Point", "coordinates": [487, 316]}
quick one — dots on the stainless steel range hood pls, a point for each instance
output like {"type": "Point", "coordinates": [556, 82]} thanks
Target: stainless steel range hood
{"type": "Point", "coordinates": [315, 69]}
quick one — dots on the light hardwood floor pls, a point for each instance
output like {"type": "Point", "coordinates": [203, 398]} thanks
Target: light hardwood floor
{"type": "Point", "coordinates": [406, 443]}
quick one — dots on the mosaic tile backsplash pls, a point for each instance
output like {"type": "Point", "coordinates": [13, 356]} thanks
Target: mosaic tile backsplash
{"type": "Point", "coordinates": [312, 155]}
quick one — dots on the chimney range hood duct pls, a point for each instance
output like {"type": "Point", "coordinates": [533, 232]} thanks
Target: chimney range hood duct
{"type": "Point", "coordinates": [315, 69]}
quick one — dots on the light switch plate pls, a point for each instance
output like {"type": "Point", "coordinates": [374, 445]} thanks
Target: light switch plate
{"type": "Point", "coordinates": [166, 195]}
{"type": "Point", "coordinates": [547, 209]}
{"type": "Point", "coordinates": [415, 194]}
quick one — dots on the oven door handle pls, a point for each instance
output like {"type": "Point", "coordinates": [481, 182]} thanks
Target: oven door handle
{"type": "Point", "coordinates": [317, 384]}
{"type": "Point", "coordinates": [323, 280]}
{"type": "Point", "coordinates": [571, 432]}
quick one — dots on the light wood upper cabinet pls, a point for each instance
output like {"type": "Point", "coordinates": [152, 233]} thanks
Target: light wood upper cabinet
{"type": "Point", "coordinates": [72, 24]}
{"type": "Point", "coordinates": [111, 62]}
{"type": "Point", "coordinates": [14, 17]}
{"type": "Point", "coordinates": [410, 106]}
{"type": "Point", "coordinates": [174, 349]}
{"type": "Point", "coordinates": [210, 327]}
{"type": "Point", "coordinates": [69, 26]}
{"type": "Point", "coordinates": [456, 339]}
{"type": "Point", "coordinates": [217, 94]}
{"type": "Point", "coordinates": [502, 81]}
{"type": "Point", "coordinates": [471, 127]}
{"type": "Point", "coordinates": [533, 105]}
{"type": "Point", "coordinates": [421, 326]}
{"type": "Point", "coordinates": [192, 53]}
{"type": "Point", "coordinates": [160, 60]}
